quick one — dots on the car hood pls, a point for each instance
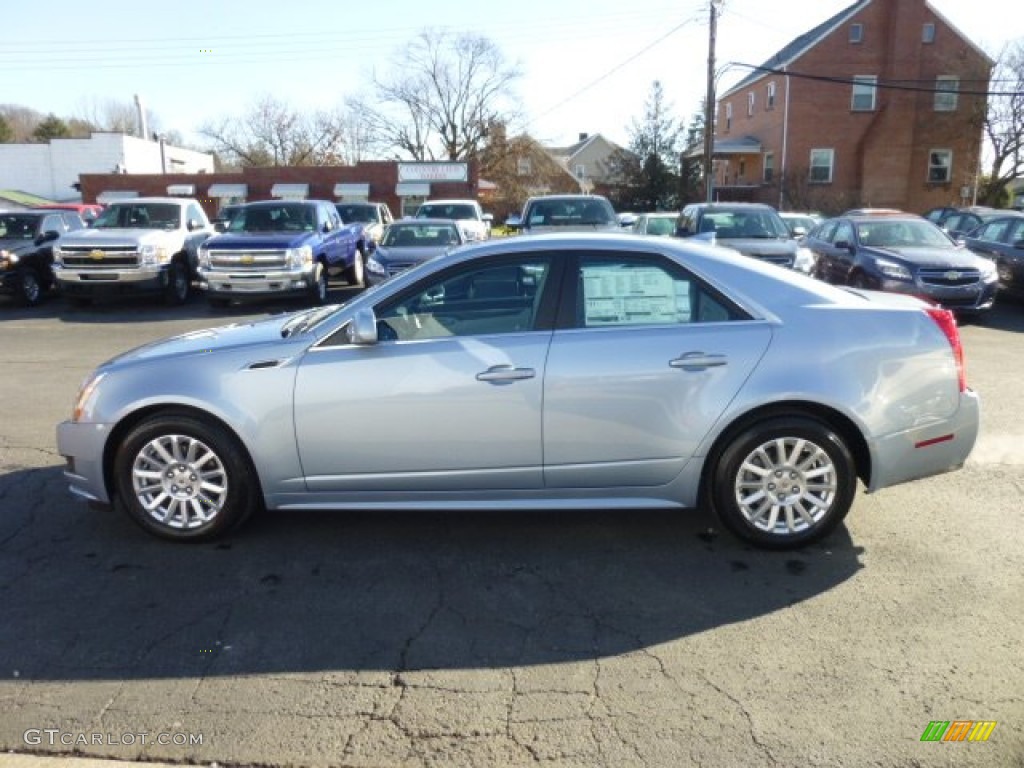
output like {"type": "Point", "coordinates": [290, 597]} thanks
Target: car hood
{"type": "Point", "coordinates": [101, 237]}
{"type": "Point", "coordinates": [209, 341]}
{"type": "Point", "coordinates": [392, 255]}
{"type": "Point", "coordinates": [610, 227]}
{"type": "Point", "coordinates": [16, 245]}
{"type": "Point", "coordinates": [958, 258]}
{"type": "Point", "coordinates": [258, 240]}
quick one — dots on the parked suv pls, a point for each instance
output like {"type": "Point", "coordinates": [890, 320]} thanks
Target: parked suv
{"type": "Point", "coordinates": [474, 223]}
{"type": "Point", "coordinates": [565, 213]}
{"type": "Point", "coordinates": [142, 245]}
{"type": "Point", "coordinates": [753, 229]}
{"type": "Point", "coordinates": [26, 250]}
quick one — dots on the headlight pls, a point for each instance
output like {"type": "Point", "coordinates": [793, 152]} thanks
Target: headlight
{"type": "Point", "coordinates": [988, 269]}
{"type": "Point", "coordinates": [154, 254]}
{"type": "Point", "coordinates": [375, 266]}
{"type": "Point", "coordinates": [298, 257]}
{"type": "Point", "coordinates": [804, 260]}
{"type": "Point", "coordinates": [204, 257]}
{"type": "Point", "coordinates": [85, 393]}
{"type": "Point", "coordinates": [58, 255]}
{"type": "Point", "coordinates": [6, 257]}
{"type": "Point", "coordinates": [892, 270]}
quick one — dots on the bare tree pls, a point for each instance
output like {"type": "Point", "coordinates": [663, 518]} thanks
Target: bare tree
{"type": "Point", "coordinates": [115, 116]}
{"type": "Point", "coordinates": [21, 120]}
{"type": "Point", "coordinates": [442, 94]}
{"type": "Point", "coordinates": [273, 133]}
{"type": "Point", "coordinates": [1004, 127]}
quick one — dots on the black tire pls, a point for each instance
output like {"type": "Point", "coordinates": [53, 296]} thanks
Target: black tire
{"type": "Point", "coordinates": [30, 287]}
{"type": "Point", "coordinates": [859, 281]}
{"type": "Point", "coordinates": [178, 285]}
{"type": "Point", "coordinates": [820, 479]}
{"type": "Point", "coordinates": [228, 496]}
{"type": "Point", "coordinates": [318, 288]}
{"type": "Point", "coordinates": [356, 274]}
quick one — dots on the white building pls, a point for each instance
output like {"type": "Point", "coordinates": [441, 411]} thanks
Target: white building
{"type": "Point", "coordinates": [50, 170]}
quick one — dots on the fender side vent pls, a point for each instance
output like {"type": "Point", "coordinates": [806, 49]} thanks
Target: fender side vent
{"type": "Point", "coordinates": [265, 364]}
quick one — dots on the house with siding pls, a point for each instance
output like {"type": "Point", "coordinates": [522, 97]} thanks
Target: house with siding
{"type": "Point", "coordinates": [880, 105]}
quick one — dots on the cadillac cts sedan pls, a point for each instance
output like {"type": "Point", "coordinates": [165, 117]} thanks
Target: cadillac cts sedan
{"type": "Point", "coordinates": [556, 372]}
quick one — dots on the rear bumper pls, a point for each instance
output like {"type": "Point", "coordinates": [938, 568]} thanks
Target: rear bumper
{"type": "Point", "coordinates": [82, 445]}
{"type": "Point", "coordinates": [926, 451]}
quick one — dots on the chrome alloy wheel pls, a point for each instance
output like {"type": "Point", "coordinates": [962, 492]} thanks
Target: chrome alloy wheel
{"type": "Point", "coordinates": [179, 481]}
{"type": "Point", "coordinates": [786, 486]}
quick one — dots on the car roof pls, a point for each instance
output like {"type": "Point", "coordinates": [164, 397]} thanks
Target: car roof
{"type": "Point", "coordinates": [424, 222]}
{"type": "Point", "coordinates": [878, 212]}
{"type": "Point", "coordinates": [447, 201]}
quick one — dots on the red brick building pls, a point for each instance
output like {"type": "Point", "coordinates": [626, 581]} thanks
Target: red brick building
{"type": "Point", "coordinates": [403, 186]}
{"type": "Point", "coordinates": [881, 105]}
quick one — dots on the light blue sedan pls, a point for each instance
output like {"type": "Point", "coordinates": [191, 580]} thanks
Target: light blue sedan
{"type": "Point", "coordinates": [568, 371]}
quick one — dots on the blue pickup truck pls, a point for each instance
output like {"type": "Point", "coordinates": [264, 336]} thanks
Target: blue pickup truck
{"type": "Point", "coordinates": [281, 248]}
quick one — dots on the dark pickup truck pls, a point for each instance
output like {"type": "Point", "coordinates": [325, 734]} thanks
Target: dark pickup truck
{"type": "Point", "coordinates": [281, 248]}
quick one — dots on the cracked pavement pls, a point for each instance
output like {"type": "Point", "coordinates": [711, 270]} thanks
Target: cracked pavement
{"type": "Point", "coordinates": [500, 639]}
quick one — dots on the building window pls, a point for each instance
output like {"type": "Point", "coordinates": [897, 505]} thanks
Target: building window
{"type": "Point", "coordinates": [728, 117]}
{"type": "Point", "coordinates": [581, 171]}
{"type": "Point", "coordinates": [743, 169]}
{"type": "Point", "coordinates": [940, 166]}
{"type": "Point", "coordinates": [856, 33]}
{"type": "Point", "coordinates": [770, 100]}
{"type": "Point", "coordinates": [946, 88]}
{"type": "Point", "coordinates": [822, 161]}
{"type": "Point", "coordinates": [523, 166]}
{"type": "Point", "coordinates": [864, 91]}
{"type": "Point", "coordinates": [750, 104]}
{"type": "Point", "coordinates": [769, 166]}
{"type": "Point", "coordinates": [928, 33]}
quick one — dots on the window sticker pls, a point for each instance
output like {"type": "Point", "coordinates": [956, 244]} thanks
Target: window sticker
{"type": "Point", "coordinates": [614, 295]}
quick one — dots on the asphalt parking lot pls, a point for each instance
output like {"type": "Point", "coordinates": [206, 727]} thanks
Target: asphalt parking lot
{"type": "Point", "coordinates": [584, 639]}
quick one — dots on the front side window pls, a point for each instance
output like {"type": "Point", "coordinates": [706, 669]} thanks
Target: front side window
{"type": "Point", "coordinates": [843, 233]}
{"type": "Point", "coordinates": [995, 231]}
{"type": "Point", "coordinates": [946, 87]}
{"type": "Point", "coordinates": [631, 291]}
{"type": "Point", "coordinates": [474, 300]}
{"type": "Point", "coordinates": [864, 92]}
{"type": "Point", "coordinates": [822, 161]}
{"type": "Point", "coordinates": [940, 166]}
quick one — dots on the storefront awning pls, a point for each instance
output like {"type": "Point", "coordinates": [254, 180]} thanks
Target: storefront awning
{"type": "Point", "coordinates": [352, 190]}
{"type": "Point", "coordinates": [110, 195]}
{"type": "Point", "coordinates": [188, 190]}
{"type": "Point", "coordinates": [292, 191]}
{"type": "Point", "coordinates": [228, 190]}
{"type": "Point", "coordinates": [412, 189]}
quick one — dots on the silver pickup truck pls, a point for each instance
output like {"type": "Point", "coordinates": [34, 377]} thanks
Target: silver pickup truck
{"type": "Point", "coordinates": [142, 245]}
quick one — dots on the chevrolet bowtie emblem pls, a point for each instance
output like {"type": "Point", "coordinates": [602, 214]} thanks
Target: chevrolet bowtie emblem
{"type": "Point", "coordinates": [952, 275]}
{"type": "Point", "coordinates": [97, 255]}
{"type": "Point", "coordinates": [247, 258]}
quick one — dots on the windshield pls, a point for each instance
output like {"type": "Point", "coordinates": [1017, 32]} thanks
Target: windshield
{"type": "Point", "coordinates": [446, 211]}
{"type": "Point", "coordinates": [285, 217]}
{"type": "Point", "coordinates": [18, 227]}
{"type": "Point", "coordinates": [743, 224]}
{"type": "Point", "coordinates": [662, 225]}
{"type": "Point", "coordinates": [420, 236]}
{"type": "Point", "coordinates": [139, 216]}
{"type": "Point", "coordinates": [908, 233]}
{"type": "Point", "coordinates": [570, 213]}
{"type": "Point", "coordinates": [357, 212]}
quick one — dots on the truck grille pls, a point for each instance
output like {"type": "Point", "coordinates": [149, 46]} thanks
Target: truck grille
{"type": "Point", "coordinates": [100, 257]}
{"type": "Point", "coordinates": [241, 261]}
{"type": "Point", "coordinates": [949, 277]}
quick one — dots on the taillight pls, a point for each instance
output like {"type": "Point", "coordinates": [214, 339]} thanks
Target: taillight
{"type": "Point", "coordinates": [947, 323]}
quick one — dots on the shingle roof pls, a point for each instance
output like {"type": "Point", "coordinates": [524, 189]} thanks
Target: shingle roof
{"type": "Point", "coordinates": [799, 45]}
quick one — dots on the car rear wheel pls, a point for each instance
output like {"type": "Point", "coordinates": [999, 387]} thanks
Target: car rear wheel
{"type": "Point", "coordinates": [178, 285]}
{"type": "Point", "coordinates": [183, 478]}
{"type": "Point", "coordinates": [30, 286]}
{"type": "Point", "coordinates": [784, 483]}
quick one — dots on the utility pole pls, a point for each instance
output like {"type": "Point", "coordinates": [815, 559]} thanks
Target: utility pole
{"type": "Point", "coordinates": [709, 104]}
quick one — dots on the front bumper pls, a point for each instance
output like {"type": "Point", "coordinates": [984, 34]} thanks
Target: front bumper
{"type": "Point", "coordinates": [82, 446]}
{"type": "Point", "coordinates": [926, 451]}
{"type": "Point", "coordinates": [972, 298]}
{"type": "Point", "coordinates": [225, 284]}
{"type": "Point", "coordinates": [91, 282]}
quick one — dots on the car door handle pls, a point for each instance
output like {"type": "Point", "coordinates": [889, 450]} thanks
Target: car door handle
{"type": "Point", "coordinates": [501, 373]}
{"type": "Point", "coordinates": [698, 361]}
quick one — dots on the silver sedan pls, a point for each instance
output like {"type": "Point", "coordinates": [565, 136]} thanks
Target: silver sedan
{"type": "Point", "coordinates": [567, 371]}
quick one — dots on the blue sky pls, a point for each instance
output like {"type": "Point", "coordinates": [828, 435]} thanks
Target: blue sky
{"type": "Point", "coordinates": [588, 64]}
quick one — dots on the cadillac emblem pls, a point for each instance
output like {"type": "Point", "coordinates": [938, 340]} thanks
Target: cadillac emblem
{"type": "Point", "coordinates": [97, 255]}
{"type": "Point", "coordinates": [246, 258]}
{"type": "Point", "coordinates": [952, 275]}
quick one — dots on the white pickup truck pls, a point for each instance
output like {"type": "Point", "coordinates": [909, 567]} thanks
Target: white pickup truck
{"type": "Point", "coordinates": [474, 223]}
{"type": "Point", "coordinates": [141, 245]}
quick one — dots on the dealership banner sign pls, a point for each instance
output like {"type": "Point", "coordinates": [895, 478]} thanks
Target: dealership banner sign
{"type": "Point", "coordinates": [433, 171]}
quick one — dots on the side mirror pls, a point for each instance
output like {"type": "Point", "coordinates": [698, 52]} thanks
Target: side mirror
{"type": "Point", "coordinates": [363, 328]}
{"type": "Point", "coordinates": [220, 226]}
{"type": "Point", "coordinates": [843, 245]}
{"type": "Point", "coordinates": [514, 222]}
{"type": "Point", "coordinates": [193, 225]}
{"type": "Point", "coordinates": [325, 227]}
{"type": "Point", "coordinates": [488, 217]}
{"type": "Point", "coordinates": [47, 237]}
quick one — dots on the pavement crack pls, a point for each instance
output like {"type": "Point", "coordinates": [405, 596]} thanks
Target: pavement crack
{"type": "Point", "coordinates": [746, 714]}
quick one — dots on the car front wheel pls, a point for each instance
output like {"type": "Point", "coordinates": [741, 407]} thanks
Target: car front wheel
{"type": "Point", "coordinates": [31, 287]}
{"type": "Point", "coordinates": [784, 483]}
{"type": "Point", "coordinates": [183, 478]}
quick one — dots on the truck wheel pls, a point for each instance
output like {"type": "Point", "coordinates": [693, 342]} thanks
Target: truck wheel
{"type": "Point", "coordinates": [31, 288]}
{"type": "Point", "coordinates": [355, 274]}
{"type": "Point", "coordinates": [318, 288]}
{"type": "Point", "coordinates": [178, 285]}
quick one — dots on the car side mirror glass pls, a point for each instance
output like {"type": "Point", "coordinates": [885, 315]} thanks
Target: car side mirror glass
{"type": "Point", "coordinates": [363, 328]}
{"type": "Point", "coordinates": [193, 225]}
{"type": "Point", "coordinates": [48, 236]}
